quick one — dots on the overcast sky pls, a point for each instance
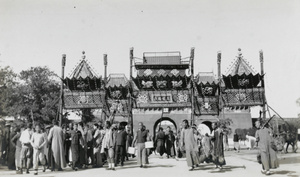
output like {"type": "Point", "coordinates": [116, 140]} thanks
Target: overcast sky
{"type": "Point", "coordinates": [38, 32]}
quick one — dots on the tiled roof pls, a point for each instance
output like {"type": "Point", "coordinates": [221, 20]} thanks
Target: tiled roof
{"type": "Point", "coordinates": [117, 80]}
{"type": "Point", "coordinates": [162, 58]}
{"type": "Point", "coordinates": [204, 77]}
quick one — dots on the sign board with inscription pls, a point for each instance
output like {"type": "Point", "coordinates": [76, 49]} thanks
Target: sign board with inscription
{"type": "Point", "coordinates": [161, 98]}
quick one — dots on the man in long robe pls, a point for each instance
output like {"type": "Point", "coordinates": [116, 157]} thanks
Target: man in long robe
{"type": "Point", "coordinates": [268, 157]}
{"type": "Point", "coordinates": [218, 147]}
{"type": "Point", "coordinates": [189, 143]}
{"type": "Point", "coordinates": [57, 145]}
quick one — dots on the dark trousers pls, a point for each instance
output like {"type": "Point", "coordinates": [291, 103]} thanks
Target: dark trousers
{"type": "Point", "coordinates": [120, 154]}
{"type": "Point", "coordinates": [67, 149]}
{"type": "Point", "coordinates": [90, 152]}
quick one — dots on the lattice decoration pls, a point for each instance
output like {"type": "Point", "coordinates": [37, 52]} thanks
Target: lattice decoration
{"type": "Point", "coordinates": [143, 98]}
{"type": "Point", "coordinates": [148, 72]}
{"type": "Point", "coordinates": [175, 72]}
{"type": "Point", "coordinates": [161, 72]}
{"type": "Point", "coordinates": [120, 106]}
{"type": "Point", "coordinates": [243, 97]}
{"type": "Point", "coordinates": [182, 97]}
{"type": "Point", "coordinates": [77, 100]}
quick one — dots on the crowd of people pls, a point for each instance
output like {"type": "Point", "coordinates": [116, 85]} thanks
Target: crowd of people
{"type": "Point", "coordinates": [79, 145]}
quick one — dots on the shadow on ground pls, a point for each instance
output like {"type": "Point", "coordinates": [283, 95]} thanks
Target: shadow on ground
{"type": "Point", "coordinates": [286, 172]}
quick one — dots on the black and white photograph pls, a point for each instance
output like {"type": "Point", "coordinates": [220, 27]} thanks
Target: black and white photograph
{"type": "Point", "coordinates": [149, 88]}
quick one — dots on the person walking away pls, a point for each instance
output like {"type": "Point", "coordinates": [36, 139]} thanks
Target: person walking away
{"type": "Point", "coordinates": [57, 145]}
{"type": "Point", "coordinates": [140, 138]}
{"type": "Point", "coordinates": [68, 143]}
{"type": "Point", "coordinates": [83, 146]}
{"type": "Point", "coordinates": [26, 147]}
{"type": "Point", "coordinates": [11, 149]}
{"type": "Point", "coordinates": [37, 142]}
{"type": "Point", "coordinates": [170, 139]}
{"type": "Point", "coordinates": [236, 143]}
{"type": "Point", "coordinates": [263, 139]}
{"type": "Point", "coordinates": [189, 143]}
{"type": "Point", "coordinates": [218, 148]}
{"type": "Point", "coordinates": [98, 137]}
{"type": "Point", "coordinates": [160, 141]}
{"type": "Point", "coordinates": [75, 143]}
{"type": "Point", "coordinates": [120, 152]}
{"type": "Point", "coordinates": [109, 145]}
{"type": "Point", "coordinates": [15, 141]}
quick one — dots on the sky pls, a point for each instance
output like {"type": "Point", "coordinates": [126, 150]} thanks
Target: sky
{"type": "Point", "coordinates": [38, 32]}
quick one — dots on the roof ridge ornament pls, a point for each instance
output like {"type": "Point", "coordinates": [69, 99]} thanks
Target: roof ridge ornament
{"type": "Point", "coordinates": [83, 55]}
{"type": "Point", "coordinates": [240, 55]}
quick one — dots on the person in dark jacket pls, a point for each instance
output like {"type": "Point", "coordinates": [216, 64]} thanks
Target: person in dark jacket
{"type": "Point", "coordinates": [170, 146]}
{"type": "Point", "coordinates": [236, 142]}
{"type": "Point", "coordinates": [121, 137]}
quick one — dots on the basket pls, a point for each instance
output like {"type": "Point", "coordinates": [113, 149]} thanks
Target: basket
{"type": "Point", "coordinates": [149, 144]}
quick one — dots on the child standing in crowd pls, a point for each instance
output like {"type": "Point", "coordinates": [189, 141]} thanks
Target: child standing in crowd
{"type": "Point", "coordinates": [38, 141]}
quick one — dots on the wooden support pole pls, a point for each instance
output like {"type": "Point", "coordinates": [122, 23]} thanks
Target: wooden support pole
{"type": "Point", "coordinates": [105, 67]}
{"type": "Point", "coordinates": [63, 64]}
{"type": "Point", "coordinates": [192, 86]}
{"type": "Point", "coordinates": [221, 107]}
{"type": "Point", "coordinates": [261, 58]}
{"type": "Point", "coordinates": [130, 116]}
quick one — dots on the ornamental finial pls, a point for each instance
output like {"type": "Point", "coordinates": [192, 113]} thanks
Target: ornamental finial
{"type": "Point", "coordinates": [83, 55]}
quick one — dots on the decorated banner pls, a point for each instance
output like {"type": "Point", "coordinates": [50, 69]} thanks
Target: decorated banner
{"type": "Point", "coordinates": [242, 81]}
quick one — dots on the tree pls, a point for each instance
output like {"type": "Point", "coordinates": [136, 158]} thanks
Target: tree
{"type": "Point", "coordinates": [38, 94]}
{"type": "Point", "coordinates": [8, 85]}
